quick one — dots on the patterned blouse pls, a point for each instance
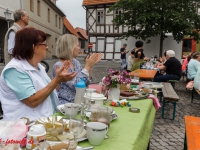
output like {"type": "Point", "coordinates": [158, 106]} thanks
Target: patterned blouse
{"type": "Point", "coordinates": [67, 90]}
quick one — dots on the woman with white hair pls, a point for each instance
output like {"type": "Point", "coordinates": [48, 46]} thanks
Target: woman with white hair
{"type": "Point", "coordinates": [172, 66]}
{"type": "Point", "coordinates": [67, 48]}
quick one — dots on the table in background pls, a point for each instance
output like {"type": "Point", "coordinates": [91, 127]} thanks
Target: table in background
{"type": "Point", "coordinates": [145, 74]}
{"type": "Point", "coordinates": [130, 131]}
{"type": "Point", "coordinates": [192, 131]}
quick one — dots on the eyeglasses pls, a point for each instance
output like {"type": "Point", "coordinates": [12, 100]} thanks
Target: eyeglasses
{"type": "Point", "coordinates": [45, 44]}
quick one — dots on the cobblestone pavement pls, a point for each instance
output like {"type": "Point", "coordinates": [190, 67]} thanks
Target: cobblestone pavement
{"type": "Point", "coordinates": [166, 134]}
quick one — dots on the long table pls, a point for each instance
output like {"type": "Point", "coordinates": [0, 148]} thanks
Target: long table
{"type": "Point", "coordinates": [130, 131]}
{"type": "Point", "coordinates": [144, 73]}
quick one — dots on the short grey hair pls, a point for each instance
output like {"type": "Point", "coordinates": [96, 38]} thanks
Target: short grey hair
{"type": "Point", "coordinates": [17, 15]}
{"type": "Point", "coordinates": [65, 46]}
{"type": "Point", "coordinates": [124, 44]}
{"type": "Point", "coordinates": [170, 53]}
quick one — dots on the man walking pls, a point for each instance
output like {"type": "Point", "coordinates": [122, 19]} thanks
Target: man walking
{"type": "Point", "coordinates": [21, 20]}
{"type": "Point", "coordinates": [123, 56]}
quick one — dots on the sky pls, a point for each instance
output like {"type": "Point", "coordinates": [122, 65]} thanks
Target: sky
{"type": "Point", "coordinates": [74, 11]}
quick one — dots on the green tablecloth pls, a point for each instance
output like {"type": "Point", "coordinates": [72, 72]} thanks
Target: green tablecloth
{"type": "Point", "coordinates": [130, 131]}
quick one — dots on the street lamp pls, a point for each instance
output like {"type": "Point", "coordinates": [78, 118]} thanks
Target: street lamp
{"type": "Point", "coordinates": [7, 16]}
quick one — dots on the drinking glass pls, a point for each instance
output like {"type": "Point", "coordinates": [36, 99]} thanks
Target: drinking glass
{"type": "Point", "coordinates": [76, 124]}
{"type": "Point", "coordinates": [104, 115]}
{"type": "Point", "coordinates": [88, 99]}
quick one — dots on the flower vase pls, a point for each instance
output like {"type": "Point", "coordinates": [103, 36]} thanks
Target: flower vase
{"type": "Point", "coordinates": [114, 93]}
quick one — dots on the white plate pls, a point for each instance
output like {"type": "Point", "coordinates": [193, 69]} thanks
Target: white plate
{"type": "Point", "coordinates": [133, 97]}
{"type": "Point", "coordinates": [96, 96]}
{"type": "Point", "coordinates": [61, 108]}
{"type": "Point", "coordinates": [114, 115]}
{"type": "Point", "coordinates": [54, 143]}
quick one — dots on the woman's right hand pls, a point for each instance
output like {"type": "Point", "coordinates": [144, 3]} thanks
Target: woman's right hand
{"type": "Point", "coordinates": [92, 60]}
{"type": "Point", "coordinates": [62, 74]}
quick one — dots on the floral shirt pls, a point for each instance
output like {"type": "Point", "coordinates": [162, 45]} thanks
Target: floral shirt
{"type": "Point", "coordinates": [67, 90]}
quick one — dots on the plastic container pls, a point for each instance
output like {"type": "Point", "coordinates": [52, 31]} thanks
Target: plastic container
{"type": "Point", "coordinates": [35, 136]}
{"type": "Point", "coordinates": [80, 91]}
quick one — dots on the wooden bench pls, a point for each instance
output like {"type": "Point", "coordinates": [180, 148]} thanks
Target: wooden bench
{"type": "Point", "coordinates": [169, 96]}
{"type": "Point", "coordinates": [192, 93]}
{"type": "Point", "coordinates": [192, 131]}
{"type": "Point", "coordinates": [173, 82]}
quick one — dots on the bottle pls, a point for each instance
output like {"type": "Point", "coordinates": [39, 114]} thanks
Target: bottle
{"type": "Point", "coordinates": [80, 91]}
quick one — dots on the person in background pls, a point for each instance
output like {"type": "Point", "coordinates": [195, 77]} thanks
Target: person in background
{"type": "Point", "coordinates": [25, 88]}
{"type": "Point", "coordinates": [197, 80]}
{"type": "Point", "coordinates": [193, 66]}
{"type": "Point", "coordinates": [163, 58]}
{"type": "Point", "coordinates": [130, 60]}
{"type": "Point", "coordinates": [172, 67]}
{"type": "Point", "coordinates": [67, 48]}
{"type": "Point", "coordinates": [21, 20]}
{"type": "Point", "coordinates": [139, 55]}
{"type": "Point", "coordinates": [123, 56]}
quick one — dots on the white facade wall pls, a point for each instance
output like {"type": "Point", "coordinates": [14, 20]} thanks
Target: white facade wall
{"type": "Point", "coordinates": [41, 22]}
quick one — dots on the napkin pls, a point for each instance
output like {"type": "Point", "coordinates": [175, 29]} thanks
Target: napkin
{"type": "Point", "coordinates": [156, 102]}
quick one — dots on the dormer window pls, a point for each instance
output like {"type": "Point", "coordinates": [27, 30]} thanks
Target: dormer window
{"type": "Point", "coordinates": [100, 17]}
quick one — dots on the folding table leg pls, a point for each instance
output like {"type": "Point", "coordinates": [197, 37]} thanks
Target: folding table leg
{"type": "Point", "coordinates": [185, 143]}
{"type": "Point", "coordinates": [163, 107]}
{"type": "Point", "coordinates": [174, 111]}
{"type": "Point", "coordinates": [192, 95]}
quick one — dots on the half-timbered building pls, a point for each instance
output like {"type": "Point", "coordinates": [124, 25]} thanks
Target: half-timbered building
{"type": "Point", "coordinates": [103, 34]}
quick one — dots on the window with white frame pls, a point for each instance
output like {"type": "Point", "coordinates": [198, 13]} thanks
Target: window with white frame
{"type": "Point", "coordinates": [117, 12]}
{"type": "Point", "coordinates": [100, 17]}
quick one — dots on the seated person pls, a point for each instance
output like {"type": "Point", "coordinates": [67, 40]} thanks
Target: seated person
{"type": "Point", "coordinates": [67, 48]}
{"type": "Point", "coordinates": [25, 88]}
{"type": "Point", "coordinates": [193, 65]}
{"type": "Point", "coordinates": [197, 80]}
{"type": "Point", "coordinates": [172, 67]}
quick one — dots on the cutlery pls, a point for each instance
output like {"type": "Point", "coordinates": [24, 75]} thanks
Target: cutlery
{"type": "Point", "coordinates": [87, 148]}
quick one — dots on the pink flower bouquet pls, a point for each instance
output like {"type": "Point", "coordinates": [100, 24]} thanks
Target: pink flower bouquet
{"type": "Point", "coordinates": [115, 77]}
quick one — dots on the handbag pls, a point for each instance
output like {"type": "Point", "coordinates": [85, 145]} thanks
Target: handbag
{"type": "Point", "coordinates": [190, 85]}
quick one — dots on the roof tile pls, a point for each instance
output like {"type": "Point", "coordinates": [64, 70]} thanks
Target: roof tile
{"type": "Point", "coordinates": [70, 27]}
{"type": "Point", "coordinates": [96, 2]}
{"type": "Point", "coordinates": [82, 32]}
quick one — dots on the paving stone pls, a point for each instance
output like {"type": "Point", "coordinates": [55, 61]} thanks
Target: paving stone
{"type": "Point", "coordinates": [170, 148]}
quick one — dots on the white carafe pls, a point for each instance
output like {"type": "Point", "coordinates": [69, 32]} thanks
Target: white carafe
{"type": "Point", "coordinates": [36, 135]}
{"type": "Point", "coordinates": [80, 91]}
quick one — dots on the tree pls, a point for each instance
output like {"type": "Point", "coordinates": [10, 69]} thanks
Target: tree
{"type": "Point", "coordinates": [150, 18]}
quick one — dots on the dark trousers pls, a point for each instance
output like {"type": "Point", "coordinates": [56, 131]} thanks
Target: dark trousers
{"type": "Point", "coordinates": [166, 77]}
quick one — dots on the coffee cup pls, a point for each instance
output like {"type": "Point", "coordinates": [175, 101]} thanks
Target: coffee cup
{"type": "Point", "coordinates": [68, 109]}
{"type": "Point", "coordinates": [96, 132]}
